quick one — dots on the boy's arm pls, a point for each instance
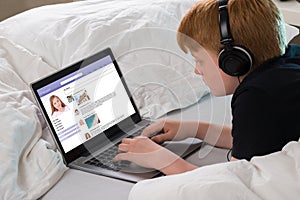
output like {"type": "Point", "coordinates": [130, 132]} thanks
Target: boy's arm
{"type": "Point", "coordinates": [214, 134]}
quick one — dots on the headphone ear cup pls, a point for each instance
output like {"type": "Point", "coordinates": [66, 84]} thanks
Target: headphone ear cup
{"type": "Point", "coordinates": [235, 61]}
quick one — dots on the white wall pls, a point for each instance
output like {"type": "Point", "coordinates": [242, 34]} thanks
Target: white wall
{"type": "Point", "coordinates": [11, 7]}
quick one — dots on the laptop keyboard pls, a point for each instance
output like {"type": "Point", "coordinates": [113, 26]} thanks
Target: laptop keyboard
{"type": "Point", "coordinates": [104, 159]}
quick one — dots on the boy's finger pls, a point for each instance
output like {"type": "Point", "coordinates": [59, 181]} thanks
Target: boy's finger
{"type": "Point", "coordinates": [153, 128]}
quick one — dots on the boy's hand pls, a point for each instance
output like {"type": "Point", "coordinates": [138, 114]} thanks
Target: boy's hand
{"type": "Point", "coordinates": [144, 152]}
{"type": "Point", "coordinates": [168, 130]}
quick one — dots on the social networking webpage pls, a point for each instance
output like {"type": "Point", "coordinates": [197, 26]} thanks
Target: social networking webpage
{"type": "Point", "coordinates": [93, 100]}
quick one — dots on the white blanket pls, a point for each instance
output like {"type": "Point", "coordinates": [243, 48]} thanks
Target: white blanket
{"type": "Point", "coordinates": [28, 165]}
{"type": "Point", "coordinates": [274, 177]}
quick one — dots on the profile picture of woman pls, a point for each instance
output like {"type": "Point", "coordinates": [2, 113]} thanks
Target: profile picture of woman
{"type": "Point", "coordinates": [81, 123]}
{"type": "Point", "coordinates": [57, 106]}
{"type": "Point", "coordinates": [77, 112]}
{"type": "Point", "coordinates": [87, 136]}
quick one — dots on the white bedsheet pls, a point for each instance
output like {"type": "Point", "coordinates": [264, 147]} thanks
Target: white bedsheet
{"type": "Point", "coordinates": [28, 165]}
{"type": "Point", "coordinates": [272, 177]}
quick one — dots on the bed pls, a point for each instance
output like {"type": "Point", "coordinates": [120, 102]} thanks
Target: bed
{"type": "Point", "coordinates": [142, 36]}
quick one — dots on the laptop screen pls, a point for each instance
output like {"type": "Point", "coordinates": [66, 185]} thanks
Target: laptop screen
{"type": "Point", "coordinates": [84, 103]}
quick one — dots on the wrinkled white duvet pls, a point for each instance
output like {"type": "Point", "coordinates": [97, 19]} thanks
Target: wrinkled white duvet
{"type": "Point", "coordinates": [272, 177]}
{"type": "Point", "coordinates": [28, 165]}
{"type": "Point", "coordinates": [142, 35]}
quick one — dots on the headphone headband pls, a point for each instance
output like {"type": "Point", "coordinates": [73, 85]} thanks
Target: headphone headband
{"type": "Point", "coordinates": [226, 37]}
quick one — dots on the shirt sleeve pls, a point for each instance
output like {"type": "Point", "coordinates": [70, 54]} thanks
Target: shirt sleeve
{"type": "Point", "coordinates": [252, 124]}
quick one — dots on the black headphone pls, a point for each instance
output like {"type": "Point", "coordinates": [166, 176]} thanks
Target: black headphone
{"type": "Point", "coordinates": [233, 60]}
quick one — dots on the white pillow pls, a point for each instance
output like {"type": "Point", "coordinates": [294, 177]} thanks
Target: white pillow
{"type": "Point", "coordinates": [142, 35]}
{"type": "Point", "coordinates": [291, 32]}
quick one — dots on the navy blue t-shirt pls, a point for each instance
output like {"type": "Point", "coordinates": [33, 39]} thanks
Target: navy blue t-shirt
{"type": "Point", "coordinates": [266, 107]}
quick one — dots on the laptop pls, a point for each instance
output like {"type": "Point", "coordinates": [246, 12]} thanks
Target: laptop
{"type": "Point", "coordinates": [89, 109]}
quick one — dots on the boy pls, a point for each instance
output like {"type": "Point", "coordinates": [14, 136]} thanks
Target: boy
{"type": "Point", "coordinates": [253, 63]}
